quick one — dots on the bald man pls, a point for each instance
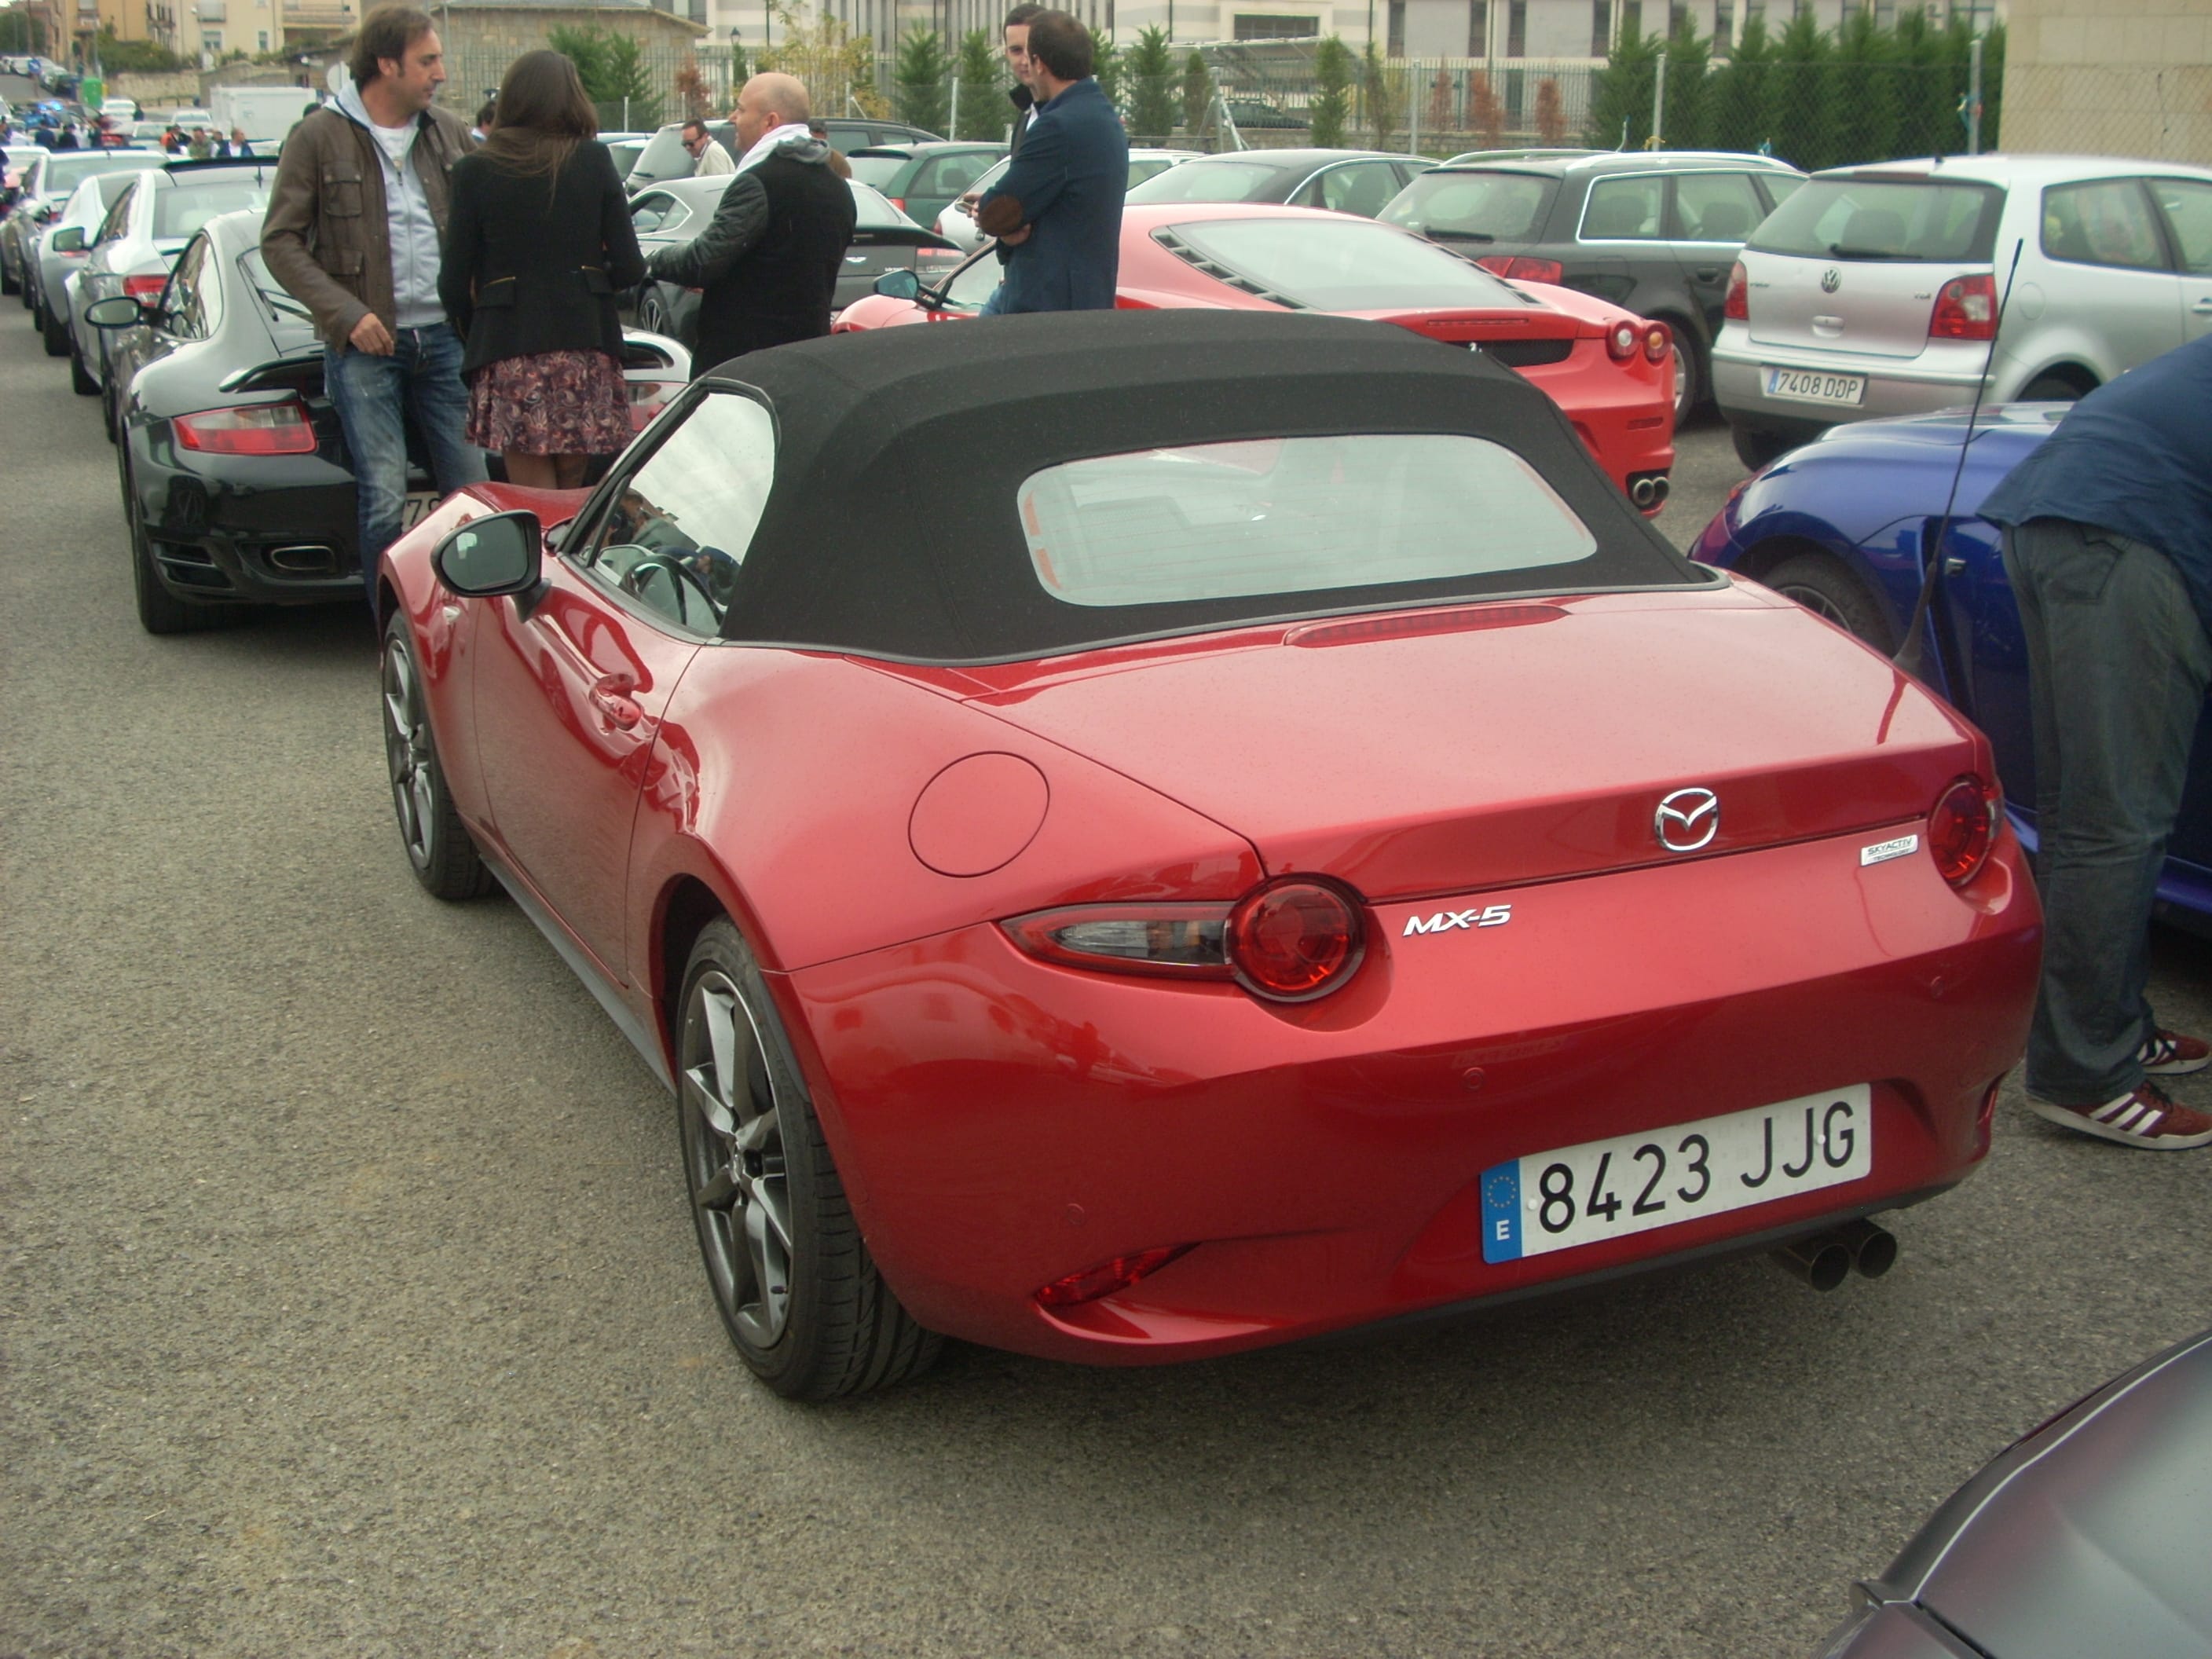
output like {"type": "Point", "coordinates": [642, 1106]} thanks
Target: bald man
{"type": "Point", "coordinates": [767, 264]}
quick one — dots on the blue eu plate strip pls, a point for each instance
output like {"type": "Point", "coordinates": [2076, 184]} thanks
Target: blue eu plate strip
{"type": "Point", "coordinates": [1501, 1212]}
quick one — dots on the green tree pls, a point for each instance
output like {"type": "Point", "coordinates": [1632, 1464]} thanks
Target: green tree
{"type": "Point", "coordinates": [1110, 68]}
{"type": "Point", "coordinates": [16, 34]}
{"type": "Point", "coordinates": [1927, 103]}
{"type": "Point", "coordinates": [1993, 57]}
{"type": "Point", "coordinates": [1621, 94]}
{"type": "Point", "coordinates": [1687, 58]}
{"type": "Point", "coordinates": [1793, 115]}
{"type": "Point", "coordinates": [983, 107]}
{"type": "Point", "coordinates": [1861, 91]}
{"type": "Point", "coordinates": [1330, 108]}
{"type": "Point", "coordinates": [118, 56]}
{"type": "Point", "coordinates": [918, 81]}
{"type": "Point", "coordinates": [1151, 87]}
{"type": "Point", "coordinates": [1197, 91]}
{"type": "Point", "coordinates": [613, 69]}
{"type": "Point", "coordinates": [1735, 95]}
{"type": "Point", "coordinates": [1380, 86]}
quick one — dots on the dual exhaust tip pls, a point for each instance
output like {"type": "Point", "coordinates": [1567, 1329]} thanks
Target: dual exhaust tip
{"type": "Point", "coordinates": [1648, 490]}
{"type": "Point", "coordinates": [1827, 1260]}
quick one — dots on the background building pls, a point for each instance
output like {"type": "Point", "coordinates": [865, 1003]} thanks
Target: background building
{"type": "Point", "coordinates": [2110, 77]}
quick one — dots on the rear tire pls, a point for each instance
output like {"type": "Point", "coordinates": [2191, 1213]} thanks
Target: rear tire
{"type": "Point", "coordinates": [1827, 587]}
{"type": "Point", "coordinates": [1756, 448]}
{"type": "Point", "coordinates": [160, 611]}
{"type": "Point", "coordinates": [9, 285]}
{"type": "Point", "coordinates": [797, 1291]}
{"type": "Point", "coordinates": [1690, 375]}
{"type": "Point", "coordinates": [2050, 389]}
{"type": "Point", "coordinates": [81, 380]}
{"type": "Point", "coordinates": [54, 333]}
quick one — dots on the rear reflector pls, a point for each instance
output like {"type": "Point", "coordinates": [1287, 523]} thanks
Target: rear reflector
{"type": "Point", "coordinates": [1658, 341]}
{"type": "Point", "coordinates": [1107, 1278]}
{"type": "Point", "coordinates": [256, 429]}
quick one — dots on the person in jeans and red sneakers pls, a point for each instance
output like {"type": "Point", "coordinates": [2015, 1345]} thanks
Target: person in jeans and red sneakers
{"type": "Point", "coordinates": [2108, 544]}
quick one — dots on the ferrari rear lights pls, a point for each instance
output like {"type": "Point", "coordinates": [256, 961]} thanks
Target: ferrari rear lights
{"type": "Point", "coordinates": [1624, 339]}
{"type": "Point", "coordinates": [1519, 267]}
{"type": "Point", "coordinates": [1962, 828]}
{"type": "Point", "coordinates": [255, 429]}
{"type": "Point", "coordinates": [1288, 941]}
{"type": "Point", "coordinates": [1965, 309]}
{"type": "Point", "coordinates": [148, 287]}
{"type": "Point", "coordinates": [1736, 307]}
{"type": "Point", "coordinates": [1107, 1278]}
{"type": "Point", "coordinates": [1658, 341]}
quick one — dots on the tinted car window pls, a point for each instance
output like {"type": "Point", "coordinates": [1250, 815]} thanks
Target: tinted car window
{"type": "Point", "coordinates": [1362, 187]}
{"type": "Point", "coordinates": [2188, 207]}
{"type": "Point", "coordinates": [2107, 222]}
{"type": "Point", "coordinates": [1624, 210]}
{"type": "Point", "coordinates": [194, 305]}
{"type": "Point", "coordinates": [1290, 515]}
{"type": "Point", "coordinates": [1474, 207]}
{"type": "Point", "coordinates": [1207, 181]}
{"type": "Point", "coordinates": [678, 533]}
{"type": "Point", "coordinates": [181, 211]}
{"type": "Point", "coordinates": [1341, 265]}
{"type": "Point", "coordinates": [1950, 222]}
{"type": "Point", "coordinates": [1715, 207]}
{"type": "Point", "coordinates": [119, 217]}
{"type": "Point", "coordinates": [657, 212]}
{"type": "Point", "coordinates": [948, 175]}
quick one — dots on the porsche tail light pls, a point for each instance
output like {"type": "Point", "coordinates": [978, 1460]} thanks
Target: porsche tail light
{"type": "Point", "coordinates": [1962, 828]}
{"type": "Point", "coordinates": [1107, 1277]}
{"type": "Point", "coordinates": [1965, 309]}
{"type": "Point", "coordinates": [1294, 939]}
{"type": "Point", "coordinates": [1736, 307]}
{"type": "Point", "coordinates": [1624, 339]}
{"type": "Point", "coordinates": [146, 288]}
{"type": "Point", "coordinates": [257, 430]}
{"type": "Point", "coordinates": [1519, 267]}
{"type": "Point", "coordinates": [1658, 341]}
{"type": "Point", "coordinates": [1289, 940]}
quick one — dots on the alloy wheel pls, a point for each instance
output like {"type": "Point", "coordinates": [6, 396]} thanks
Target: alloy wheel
{"type": "Point", "coordinates": [406, 755]}
{"type": "Point", "coordinates": [733, 1159]}
{"type": "Point", "coordinates": [1820, 603]}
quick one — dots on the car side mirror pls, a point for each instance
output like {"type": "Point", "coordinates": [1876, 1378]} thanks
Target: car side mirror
{"type": "Point", "coordinates": [117, 311]}
{"type": "Point", "coordinates": [70, 239]}
{"type": "Point", "coordinates": [489, 556]}
{"type": "Point", "coordinates": [899, 285]}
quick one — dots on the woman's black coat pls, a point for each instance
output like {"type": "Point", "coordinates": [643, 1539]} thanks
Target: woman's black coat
{"type": "Point", "coordinates": [531, 264]}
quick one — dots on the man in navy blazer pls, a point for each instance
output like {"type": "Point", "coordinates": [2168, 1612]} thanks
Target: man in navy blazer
{"type": "Point", "coordinates": [1058, 208]}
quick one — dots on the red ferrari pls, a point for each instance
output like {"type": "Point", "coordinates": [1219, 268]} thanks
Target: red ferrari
{"type": "Point", "coordinates": [1181, 833]}
{"type": "Point", "coordinates": [1609, 369]}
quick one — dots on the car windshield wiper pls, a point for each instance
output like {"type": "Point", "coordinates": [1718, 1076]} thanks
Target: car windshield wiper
{"type": "Point", "coordinates": [1837, 250]}
{"type": "Point", "coordinates": [1443, 234]}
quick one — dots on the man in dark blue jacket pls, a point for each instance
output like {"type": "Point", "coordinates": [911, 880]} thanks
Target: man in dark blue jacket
{"type": "Point", "coordinates": [1058, 208]}
{"type": "Point", "coordinates": [2108, 544]}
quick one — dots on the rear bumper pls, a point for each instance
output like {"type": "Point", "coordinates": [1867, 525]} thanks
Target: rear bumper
{"type": "Point", "coordinates": [1624, 415]}
{"type": "Point", "coordinates": [1001, 1123]}
{"type": "Point", "coordinates": [263, 530]}
{"type": "Point", "coordinates": [1943, 377]}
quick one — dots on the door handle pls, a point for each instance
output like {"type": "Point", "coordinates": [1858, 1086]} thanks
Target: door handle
{"type": "Point", "coordinates": [1708, 273]}
{"type": "Point", "coordinates": [610, 696]}
{"type": "Point", "coordinates": [2204, 306]}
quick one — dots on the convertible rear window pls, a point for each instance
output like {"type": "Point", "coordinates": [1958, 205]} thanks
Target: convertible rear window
{"type": "Point", "coordinates": [1338, 263]}
{"type": "Point", "coordinates": [1949, 221]}
{"type": "Point", "coordinates": [1291, 516]}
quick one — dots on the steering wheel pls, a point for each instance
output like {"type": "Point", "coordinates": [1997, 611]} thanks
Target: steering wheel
{"type": "Point", "coordinates": [681, 578]}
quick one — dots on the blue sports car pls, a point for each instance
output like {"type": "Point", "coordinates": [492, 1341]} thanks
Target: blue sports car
{"type": "Point", "coordinates": [1843, 525]}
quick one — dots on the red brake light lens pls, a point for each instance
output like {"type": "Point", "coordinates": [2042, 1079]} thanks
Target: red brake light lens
{"type": "Point", "coordinates": [1962, 828]}
{"type": "Point", "coordinates": [1167, 941]}
{"type": "Point", "coordinates": [899, 201]}
{"type": "Point", "coordinates": [1737, 307]}
{"type": "Point", "coordinates": [1624, 340]}
{"type": "Point", "coordinates": [1965, 309]}
{"type": "Point", "coordinates": [1658, 341]}
{"type": "Point", "coordinates": [145, 288]}
{"type": "Point", "coordinates": [1519, 267]}
{"type": "Point", "coordinates": [1294, 939]}
{"type": "Point", "coordinates": [1107, 1278]}
{"type": "Point", "coordinates": [257, 430]}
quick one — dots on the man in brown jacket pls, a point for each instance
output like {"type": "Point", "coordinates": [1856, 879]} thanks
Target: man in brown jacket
{"type": "Point", "coordinates": [352, 233]}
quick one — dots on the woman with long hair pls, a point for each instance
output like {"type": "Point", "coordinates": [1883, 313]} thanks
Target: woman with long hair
{"type": "Point", "coordinates": [537, 244]}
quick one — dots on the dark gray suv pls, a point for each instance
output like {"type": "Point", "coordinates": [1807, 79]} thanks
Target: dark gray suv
{"type": "Point", "coordinates": [1657, 232]}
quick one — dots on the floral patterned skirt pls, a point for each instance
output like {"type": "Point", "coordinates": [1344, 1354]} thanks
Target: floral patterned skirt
{"type": "Point", "coordinates": [556, 402]}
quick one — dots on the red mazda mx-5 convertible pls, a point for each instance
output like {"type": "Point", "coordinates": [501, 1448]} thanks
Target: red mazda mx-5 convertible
{"type": "Point", "coordinates": [1193, 829]}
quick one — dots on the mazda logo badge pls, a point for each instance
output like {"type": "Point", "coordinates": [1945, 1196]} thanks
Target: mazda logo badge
{"type": "Point", "coordinates": [1831, 280]}
{"type": "Point", "coordinates": [1687, 820]}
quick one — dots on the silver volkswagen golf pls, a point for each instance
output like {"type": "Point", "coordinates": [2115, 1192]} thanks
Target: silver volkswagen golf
{"type": "Point", "coordinates": [1877, 290]}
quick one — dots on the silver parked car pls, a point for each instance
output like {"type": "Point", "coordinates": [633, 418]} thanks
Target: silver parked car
{"type": "Point", "coordinates": [59, 249]}
{"type": "Point", "coordinates": [1875, 290]}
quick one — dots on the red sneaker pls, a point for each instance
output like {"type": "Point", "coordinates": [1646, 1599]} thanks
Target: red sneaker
{"type": "Point", "coordinates": [2143, 1117]}
{"type": "Point", "coordinates": [2169, 1054]}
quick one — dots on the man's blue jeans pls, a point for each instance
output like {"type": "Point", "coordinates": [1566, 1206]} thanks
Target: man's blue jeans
{"type": "Point", "coordinates": [374, 396]}
{"type": "Point", "coordinates": [2117, 664]}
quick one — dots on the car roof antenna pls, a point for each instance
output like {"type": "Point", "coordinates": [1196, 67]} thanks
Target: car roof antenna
{"type": "Point", "coordinates": [1912, 655]}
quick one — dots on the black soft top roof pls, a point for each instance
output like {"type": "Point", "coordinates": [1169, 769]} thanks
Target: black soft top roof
{"type": "Point", "coordinates": [892, 529]}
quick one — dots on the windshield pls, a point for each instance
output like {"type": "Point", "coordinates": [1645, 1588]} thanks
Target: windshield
{"type": "Point", "coordinates": [877, 170]}
{"type": "Point", "coordinates": [1291, 515]}
{"type": "Point", "coordinates": [180, 212]}
{"type": "Point", "coordinates": [1951, 221]}
{"type": "Point", "coordinates": [665, 157]}
{"type": "Point", "coordinates": [64, 174]}
{"type": "Point", "coordinates": [1338, 263]}
{"type": "Point", "coordinates": [1208, 181]}
{"type": "Point", "coordinates": [1473, 207]}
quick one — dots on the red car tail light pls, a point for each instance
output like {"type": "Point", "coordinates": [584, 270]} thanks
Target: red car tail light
{"type": "Point", "coordinates": [258, 430]}
{"type": "Point", "coordinates": [1965, 309]}
{"type": "Point", "coordinates": [1294, 939]}
{"type": "Point", "coordinates": [1737, 307]}
{"type": "Point", "coordinates": [1519, 267]}
{"type": "Point", "coordinates": [1170, 941]}
{"type": "Point", "coordinates": [1107, 1278]}
{"type": "Point", "coordinates": [1962, 828]}
{"type": "Point", "coordinates": [145, 288]}
{"type": "Point", "coordinates": [1624, 340]}
{"type": "Point", "coordinates": [899, 201]}
{"type": "Point", "coordinates": [1658, 341]}
{"type": "Point", "coordinates": [647, 398]}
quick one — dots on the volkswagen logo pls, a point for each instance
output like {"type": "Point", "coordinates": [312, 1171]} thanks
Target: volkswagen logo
{"type": "Point", "coordinates": [1831, 280]}
{"type": "Point", "coordinates": [1687, 820]}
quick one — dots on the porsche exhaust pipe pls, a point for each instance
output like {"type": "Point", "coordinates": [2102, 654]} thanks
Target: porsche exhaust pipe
{"type": "Point", "coordinates": [1827, 1260]}
{"type": "Point", "coordinates": [304, 561]}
